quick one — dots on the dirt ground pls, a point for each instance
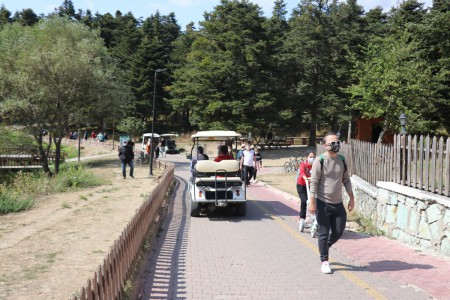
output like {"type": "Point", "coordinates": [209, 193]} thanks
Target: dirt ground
{"type": "Point", "coordinates": [51, 250]}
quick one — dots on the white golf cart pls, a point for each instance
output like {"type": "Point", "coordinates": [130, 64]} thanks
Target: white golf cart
{"type": "Point", "coordinates": [171, 146]}
{"type": "Point", "coordinates": [147, 136]}
{"type": "Point", "coordinates": [215, 184]}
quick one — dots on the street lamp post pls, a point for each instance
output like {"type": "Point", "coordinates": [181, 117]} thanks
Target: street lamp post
{"type": "Point", "coordinates": [153, 120]}
{"type": "Point", "coordinates": [403, 119]}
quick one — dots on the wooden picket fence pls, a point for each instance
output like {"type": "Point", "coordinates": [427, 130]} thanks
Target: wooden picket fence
{"type": "Point", "coordinates": [109, 280]}
{"type": "Point", "coordinates": [416, 161]}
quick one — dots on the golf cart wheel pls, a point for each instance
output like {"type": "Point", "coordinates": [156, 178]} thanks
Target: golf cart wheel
{"type": "Point", "coordinates": [241, 209]}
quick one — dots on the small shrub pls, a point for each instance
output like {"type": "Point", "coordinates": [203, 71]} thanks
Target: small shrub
{"type": "Point", "coordinates": [66, 205]}
{"type": "Point", "coordinates": [17, 194]}
{"type": "Point", "coordinates": [364, 224]}
{"type": "Point", "coordinates": [83, 197]}
{"type": "Point", "coordinates": [11, 202]}
{"type": "Point", "coordinates": [75, 176]}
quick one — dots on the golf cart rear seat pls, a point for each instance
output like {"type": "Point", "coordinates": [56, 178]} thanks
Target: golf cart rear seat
{"type": "Point", "coordinates": [228, 168]}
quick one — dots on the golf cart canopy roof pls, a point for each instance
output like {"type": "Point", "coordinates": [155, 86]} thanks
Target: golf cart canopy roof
{"type": "Point", "coordinates": [169, 134]}
{"type": "Point", "coordinates": [155, 135]}
{"type": "Point", "coordinates": [215, 135]}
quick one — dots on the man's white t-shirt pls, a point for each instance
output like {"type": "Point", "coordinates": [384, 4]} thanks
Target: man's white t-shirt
{"type": "Point", "coordinates": [248, 157]}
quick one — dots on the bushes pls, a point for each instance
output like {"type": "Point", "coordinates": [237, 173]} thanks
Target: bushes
{"type": "Point", "coordinates": [19, 194]}
{"type": "Point", "coordinates": [14, 202]}
{"type": "Point", "coordinates": [74, 176]}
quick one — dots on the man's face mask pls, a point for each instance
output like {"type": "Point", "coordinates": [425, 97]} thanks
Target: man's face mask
{"type": "Point", "coordinates": [334, 146]}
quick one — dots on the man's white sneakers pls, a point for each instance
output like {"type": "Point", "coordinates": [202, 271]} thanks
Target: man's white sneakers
{"type": "Point", "coordinates": [325, 267]}
{"type": "Point", "coordinates": [301, 225]}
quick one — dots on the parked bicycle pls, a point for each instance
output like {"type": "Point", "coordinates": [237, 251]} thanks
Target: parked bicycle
{"type": "Point", "coordinates": [292, 165]}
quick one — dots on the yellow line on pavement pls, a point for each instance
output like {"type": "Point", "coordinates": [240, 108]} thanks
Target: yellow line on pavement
{"type": "Point", "coordinates": [346, 273]}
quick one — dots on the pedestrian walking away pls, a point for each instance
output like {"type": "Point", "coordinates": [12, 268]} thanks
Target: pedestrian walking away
{"type": "Point", "coordinates": [163, 147]}
{"type": "Point", "coordinates": [126, 155]}
{"type": "Point", "coordinates": [329, 172]}
{"type": "Point", "coordinates": [258, 163]}
{"type": "Point", "coordinates": [248, 160]}
{"type": "Point", "coordinates": [157, 152]}
{"type": "Point", "coordinates": [303, 173]}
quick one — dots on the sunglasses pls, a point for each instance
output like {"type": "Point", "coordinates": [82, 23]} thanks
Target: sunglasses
{"type": "Point", "coordinates": [334, 143]}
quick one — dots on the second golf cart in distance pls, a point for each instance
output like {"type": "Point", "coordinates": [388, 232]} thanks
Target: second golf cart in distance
{"type": "Point", "coordinates": [216, 184]}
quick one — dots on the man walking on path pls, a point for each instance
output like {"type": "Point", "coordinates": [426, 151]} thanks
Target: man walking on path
{"type": "Point", "coordinates": [126, 155]}
{"type": "Point", "coordinates": [328, 174]}
{"type": "Point", "coordinates": [248, 160]}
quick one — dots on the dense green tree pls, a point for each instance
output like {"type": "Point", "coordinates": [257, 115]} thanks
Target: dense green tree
{"type": "Point", "coordinates": [283, 117]}
{"type": "Point", "coordinates": [226, 77]}
{"type": "Point", "coordinates": [125, 39]}
{"type": "Point", "coordinates": [54, 76]}
{"type": "Point", "coordinates": [178, 61]}
{"type": "Point", "coordinates": [313, 50]}
{"type": "Point", "coordinates": [376, 21]}
{"type": "Point", "coordinates": [391, 81]}
{"type": "Point", "coordinates": [433, 36]}
{"type": "Point", "coordinates": [5, 16]}
{"type": "Point", "coordinates": [158, 35]}
{"type": "Point", "coordinates": [440, 6]}
{"type": "Point", "coordinates": [409, 11]}
{"type": "Point", "coordinates": [66, 9]}
{"type": "Point", "coordinates": [26, 17]}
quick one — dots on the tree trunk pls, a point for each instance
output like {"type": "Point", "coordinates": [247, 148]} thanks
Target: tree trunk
{"type": "Point", "coordinates": [44, 155]}
{"type": "Point", "coordinates": [383, 131]}
{"type": "Point", "coordinates": [57, 141]}
{"type": "Point", "coordinates": [312, 130]}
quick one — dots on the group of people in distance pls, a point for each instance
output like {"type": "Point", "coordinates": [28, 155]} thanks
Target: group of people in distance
{"type": "Point", "coordinates": [250, 159]}
{"type": "Point", "coordinates": [159, 149]}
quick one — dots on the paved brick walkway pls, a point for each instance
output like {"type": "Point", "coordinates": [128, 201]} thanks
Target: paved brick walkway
{"type": "Point", "coordinates": [263, 256]}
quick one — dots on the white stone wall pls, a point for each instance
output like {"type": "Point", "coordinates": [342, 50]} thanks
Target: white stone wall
{"type": "Point", "coordinates": [415, 217]}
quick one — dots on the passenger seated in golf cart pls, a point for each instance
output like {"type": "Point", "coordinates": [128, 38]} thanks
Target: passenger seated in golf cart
{"type": "Point", "coordinates": [216, 183]}
{"type": "Point", "coordinates": [223, 154]}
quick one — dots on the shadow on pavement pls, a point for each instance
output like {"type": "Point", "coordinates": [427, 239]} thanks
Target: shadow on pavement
{"type": "Point", "coordinates": [165, 272]}
{"type": "Point", "coordinates": [254, 212]}
{"type": "Point", "coordinates": [352, 235]}
{"type": "Point", "coordinates": [380, 266]}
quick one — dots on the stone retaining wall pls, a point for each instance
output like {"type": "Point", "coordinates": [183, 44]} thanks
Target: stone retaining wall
{"type": "Point", "coordinates": [415, 217]}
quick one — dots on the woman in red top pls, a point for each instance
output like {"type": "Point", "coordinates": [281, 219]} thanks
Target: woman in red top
{"type": "Point", "coordinates": [223, 155]}
{"type": "Point", "coordinates": [304, 172]}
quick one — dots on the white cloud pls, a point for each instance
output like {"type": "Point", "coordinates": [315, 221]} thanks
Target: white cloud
{"type": "Point", "coordinates": [89, 4]}
{"type": "Point", "coordinates": [51, 7]}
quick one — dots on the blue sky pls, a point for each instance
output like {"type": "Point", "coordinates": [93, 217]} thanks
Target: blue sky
{"type": "Point", "coordinates": [185, 10]}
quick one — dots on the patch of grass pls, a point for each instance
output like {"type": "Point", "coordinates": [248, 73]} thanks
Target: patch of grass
{"type": "Point", "coordinates": [35, 271]}
{"type": "Point", "coordinates": [11, 202]}
{"type": "Point", "coordinates": [101, 162]}
{"type": "Point", "coordinates": [72, 151]}
{"type": "Point", "coordinates": [75, 176]}
{"type": "Point", "coordinates": [66, 205]}
{"type": "Point", "coordinates": [83, 197]}
{"type": "Point", "coordinates": [364, 224]}
{"type": "Point", "coordinates": [108, 190]}
{"type": "Point", "coordinates": [283, 181]}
